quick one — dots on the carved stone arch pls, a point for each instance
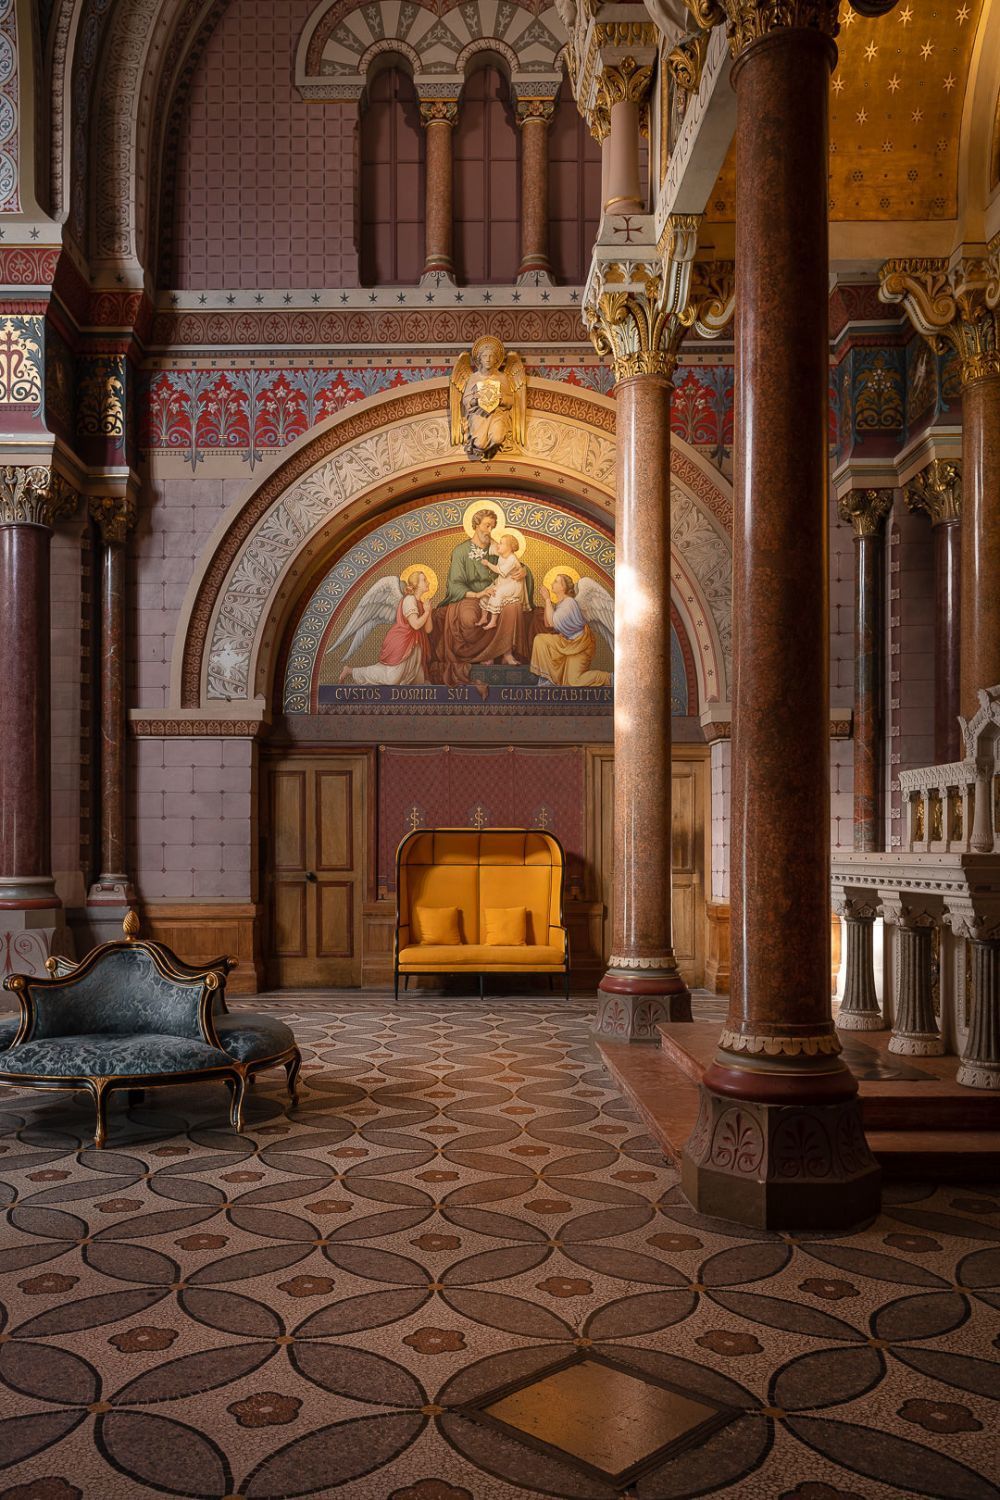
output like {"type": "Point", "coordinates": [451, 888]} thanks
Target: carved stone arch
{"type": "Point", "coordinates": [465, 62]}
{"type": "Point", "coordinates": [979, 138]}
{"type": "Point", "coordinates": [393, 447]}
{"type": "Point", "coordinates": [387, 47]}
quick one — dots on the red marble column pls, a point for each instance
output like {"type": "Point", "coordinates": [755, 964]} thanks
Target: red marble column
{"type": "Point", "coordinates": [937, 490]}
{"type": "Point", "coordinates": [779, 1142]}
{"type": "Point", "coordinates": [438, 116]}
{"type": "Point", "coordinates": [533, 116]}
{"type": "Point", "coordinates": [642, 985]}
{"type": "Point", "coordinates": [114, 515]}
{"type": "Point", "coordinates": [30, 498]}
{"type": "Point", "coordinates": [866, 511]}
{"type": "Point", "coordinates": [980, 606]}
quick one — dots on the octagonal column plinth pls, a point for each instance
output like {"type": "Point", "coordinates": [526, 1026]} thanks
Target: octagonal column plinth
{"type": "Point", "coordinates": [859, 1010]}
{"type": "Point", "coordinates": [643, 985]}
{"type": "Point", "coordinates": [779, 1141]}
{"type": "Point", "coordinates": [914, 1028]}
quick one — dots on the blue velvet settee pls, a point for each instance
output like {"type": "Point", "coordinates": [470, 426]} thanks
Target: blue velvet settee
{"type": "Point", "coordinates": [133, 1016]}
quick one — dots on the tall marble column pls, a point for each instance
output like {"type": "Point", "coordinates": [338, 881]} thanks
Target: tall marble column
{"type": "Point", "coordinates": [954, 304]}
{"type": "Point", "coordinates": [779, 1142]}
{"type": "Point", "coordinates": [634, 313]}
{"type": "Point", "coordinates": [115, 516]}
{"type": "Point", "coordinates": [438, 117]}
{"type": "Point", "coordinates": [866, 511]}
{"type": "Point", "coordinates": [31, 499]}
{"type": "Point", "coordinates": [534, 117]}
{"type": "Point", "coordinates": [937, 490]}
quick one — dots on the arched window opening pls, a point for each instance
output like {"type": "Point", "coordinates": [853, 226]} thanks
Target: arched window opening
{"type": "Point", "coordinates": [487, 182]}
{"type": "Point", "coordinates": [392, 182]}
{"type": "Point", "coordinates": [574, 192]}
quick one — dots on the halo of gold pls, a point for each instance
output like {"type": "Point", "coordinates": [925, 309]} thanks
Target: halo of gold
{"type": "Point", "coordinates": [478, 505]}
{"type": "Point", "coordinates": [512, 531]}
{"type": "Point", "coordinates": [560, 568]}
{"type": "Point", "coordinates": [429, 574]}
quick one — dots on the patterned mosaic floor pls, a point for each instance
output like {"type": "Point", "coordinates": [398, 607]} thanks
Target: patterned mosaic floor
{"type": "Point", "coordinates": [461, 1271]}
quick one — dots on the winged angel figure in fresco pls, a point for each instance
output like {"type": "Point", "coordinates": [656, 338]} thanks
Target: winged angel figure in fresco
{"type": "Point", "coordinates": [574, 608]}
{"type": "Point", "coordinates": [488, 400]}
{"type": "Point", "coordinates": [404, 604]}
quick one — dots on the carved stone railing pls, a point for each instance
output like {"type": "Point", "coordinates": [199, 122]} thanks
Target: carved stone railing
{"type": "Point", "coordinates": [956, 808]}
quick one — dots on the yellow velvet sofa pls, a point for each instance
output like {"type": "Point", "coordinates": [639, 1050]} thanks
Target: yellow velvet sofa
{"type": "Point", "coordinates": [480, 874]}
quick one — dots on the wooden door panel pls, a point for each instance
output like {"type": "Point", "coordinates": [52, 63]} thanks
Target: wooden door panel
{"type": "Point", "coordinates": [684, 826]}
{"type": "Point", "coordinates": [334, 819]}
{"type": "Point", "coordinates": [315, 877]}
{"type": "Point", "coordinates": [288, 923]}
{"type": "Point", "coordinates": [335, 919]}
{"type": "Point", "coordinates": [288, 819]}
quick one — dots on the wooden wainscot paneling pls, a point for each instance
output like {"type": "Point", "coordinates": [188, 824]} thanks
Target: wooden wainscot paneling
{"type": "Point", "coordinates": [717, 960]}
{"type": "Point", "coordinates": [197, 932]}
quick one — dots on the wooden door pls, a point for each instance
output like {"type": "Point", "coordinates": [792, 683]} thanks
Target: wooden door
{"type": "Point", "coordinates": [315, 870]}
{"type": "Point", "coordinates": [689, 795]}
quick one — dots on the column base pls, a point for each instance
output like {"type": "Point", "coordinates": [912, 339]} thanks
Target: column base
{"type": "Point", "coordinates": [438, 276]}
{"type": "Point", "coordinates": [111, 890]}
{"type": "Point", "coordinates": [535, 276]}
{"type": "Point", "coordinates": [920, 1044]}
{"type": "Point", "coordinates": [631, 1003]}
{"type": "Point", "coordinates": [861, 1020]}
{"type": "Point", "coordinates": [978, 1075]}
{"type": "Point", "coordinates": [30, 936]}
{"type": "Point", "coordinates": [781, 1166]}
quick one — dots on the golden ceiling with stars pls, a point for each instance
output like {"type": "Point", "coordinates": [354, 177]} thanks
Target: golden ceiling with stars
{"type": "Point", "coordinates": [895, 114]}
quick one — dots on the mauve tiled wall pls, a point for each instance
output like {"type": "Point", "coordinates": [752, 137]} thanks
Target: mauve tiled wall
{"type": "Point", "coordinates": [171, 536]}
{"type": "Point", "coordinates": [265, 181]}
{"type": "Point", "coordinates": [190, 832]}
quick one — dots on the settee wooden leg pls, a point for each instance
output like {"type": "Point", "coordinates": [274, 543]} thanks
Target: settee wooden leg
{"type": "Point", "coordinates": [239, 1089]}
{"type": "Point", "coordinates": [100, 1090]}
{"type": "Point", "coordinates": [292, 1076]}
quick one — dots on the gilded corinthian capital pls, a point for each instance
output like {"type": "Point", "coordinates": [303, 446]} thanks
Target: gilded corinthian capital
{"type": "Point", "coordinates": [953, 304]}
{"type": "Point", "coordinates": [748, 21]}
{"type": "Point", "coordinates": [114, 514]}
{"type": "Point", "coordinates": [637, 311]}
{"type": "Point", "coordinates": [34, 495]}
{"type": "Point", "coordinates": [937, 490]}
{"type": "Point", "coordinates": [624, 82]}
{"type": "Point", "coordinates": [865, 510]}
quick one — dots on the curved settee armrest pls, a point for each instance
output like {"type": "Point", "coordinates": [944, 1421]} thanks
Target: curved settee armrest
{"type": "Point", "coordinates": [559, 938]}
{"type": "Point", "coordinates": [120, 989]}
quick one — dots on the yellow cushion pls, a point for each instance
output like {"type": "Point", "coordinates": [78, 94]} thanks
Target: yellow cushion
{"type": "Point", "coordinates": [442, 958]}
{"type": "Point", "coordinates": [505, 926]}
{"type": "Point", "coordinates": [437, 924]}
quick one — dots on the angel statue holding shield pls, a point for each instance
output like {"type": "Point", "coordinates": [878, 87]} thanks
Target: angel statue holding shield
{"type": "Point", "coordinates": [488, 400]}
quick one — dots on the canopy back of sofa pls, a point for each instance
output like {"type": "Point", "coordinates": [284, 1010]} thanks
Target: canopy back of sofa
{"type": "Point", "coordinates": [476, 869]}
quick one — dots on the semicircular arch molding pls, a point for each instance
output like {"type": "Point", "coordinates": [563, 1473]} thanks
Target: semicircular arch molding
{"type": "Point", "coordinates": [395, 447]}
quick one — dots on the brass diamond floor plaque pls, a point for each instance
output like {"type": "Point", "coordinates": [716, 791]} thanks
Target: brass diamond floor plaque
{"type": "Point", "coordinates": [603, 1416]}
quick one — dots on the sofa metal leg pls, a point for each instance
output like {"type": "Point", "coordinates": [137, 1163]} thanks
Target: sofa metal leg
{"type": "Point", "coordinates": [397, 986]}
{"type": "Point", "coordinates": [406, 982]}
{"type": "Point", "coordinates": [566, 983]}
{"type": "Point", "coordinates": [482, 988]}
{"type": "Point", "coordinates": [292, 1075]}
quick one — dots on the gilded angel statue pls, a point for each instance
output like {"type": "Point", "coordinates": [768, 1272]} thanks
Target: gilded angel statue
{"type": "Point", "coordinates": [488, 400]}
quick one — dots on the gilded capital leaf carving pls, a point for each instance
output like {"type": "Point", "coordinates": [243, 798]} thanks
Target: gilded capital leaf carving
{"type": "Point", "coordinates": [937, 490]}
{"type": "Point", "coordinates": [687, 61]}
{"type": "Point", "coordinates": [865, 510]}
{"type": "Point", "coordinates": [748, 21]}
{"type": "Point", "coordinates": [33, 494]}
{"type": "Point", "coordinates": [114, 514]}
{"type": "Point", "coordinates": [953, 304]}
{"type": "Point", "coordinates": [624, 82]}
{"type": "Point", "coordinates": [434, 110]}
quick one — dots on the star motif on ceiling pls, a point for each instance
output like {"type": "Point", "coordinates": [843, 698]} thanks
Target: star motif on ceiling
{"type": "Point", "coordinates": [862, 116]}
{"type": "Point", "coordinates": [917, 116]}
{"type": "Point", "coordinates": [962, 15]}
{"type": "Point", "coordinates": [849, 18]}
{"type": "Point", "coordinates": [838, 85]}
{"type": "Point", "coordinates": [871, 51]}
{"type": "Point", "coordinates": [948, 83]}
{"type": "Point", "coordinates": [927, 49]}
{"type": "Point", "coordinates": [906, 15]}
{"type": "Point", "coordinates": [894, 83]}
